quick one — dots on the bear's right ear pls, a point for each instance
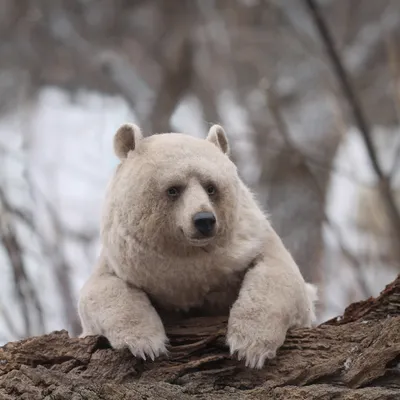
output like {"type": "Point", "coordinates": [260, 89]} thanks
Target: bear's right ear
{"type": "Point", "coordinates": [125, 140]}
{"type": "Point", "coordinates": [217, 135]}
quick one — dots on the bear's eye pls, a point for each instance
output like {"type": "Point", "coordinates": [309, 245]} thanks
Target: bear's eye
{"type": "Point", "coordinates": [173, 191]}
{"type": "Point", "coordinates": [211, 190]}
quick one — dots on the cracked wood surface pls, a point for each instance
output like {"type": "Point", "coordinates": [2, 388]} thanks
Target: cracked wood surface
{"type": "Point", "coordinates": [356, 356]}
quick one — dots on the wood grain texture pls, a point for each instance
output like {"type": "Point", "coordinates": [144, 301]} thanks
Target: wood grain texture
{"type": "Point", "coordinates": [356, 356]}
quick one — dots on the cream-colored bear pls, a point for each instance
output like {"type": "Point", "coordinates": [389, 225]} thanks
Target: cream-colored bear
{"type": "Point", "coordinates": [182, 232]}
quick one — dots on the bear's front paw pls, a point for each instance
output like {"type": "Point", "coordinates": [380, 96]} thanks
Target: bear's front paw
{"type": "Point", "coordinates": [141, 346]}
{"type": "Point", "coordinates": [254, 339]}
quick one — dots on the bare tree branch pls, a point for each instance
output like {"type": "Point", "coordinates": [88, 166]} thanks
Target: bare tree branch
{"type": "Point", "coordinates": [175, 82]}
{"type": "Point", "coordinates": [62, 274]}
{"type": "Point", "coordinates": [25, 290]}
{"type": "Point", "coordinates": [359, 117]}
{"type": "Point", "coordinates": [304, 164]}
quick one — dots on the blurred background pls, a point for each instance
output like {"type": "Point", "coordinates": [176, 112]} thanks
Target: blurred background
{"type": "Point", "coordinates": [72, 71]}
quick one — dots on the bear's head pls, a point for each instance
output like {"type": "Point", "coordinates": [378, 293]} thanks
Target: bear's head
{"type": "Point", "coordinates": [171, 192]}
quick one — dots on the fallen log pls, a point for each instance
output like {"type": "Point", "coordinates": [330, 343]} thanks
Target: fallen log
{"type": "Point", "coordinates": [356, 356]}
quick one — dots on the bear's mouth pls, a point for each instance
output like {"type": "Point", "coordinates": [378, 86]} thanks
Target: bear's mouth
{"type": "Point", "coordinates": [197, 241]}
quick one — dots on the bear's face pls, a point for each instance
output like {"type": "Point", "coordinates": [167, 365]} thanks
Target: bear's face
{"type": "Point", "coordinates": [172, 190]}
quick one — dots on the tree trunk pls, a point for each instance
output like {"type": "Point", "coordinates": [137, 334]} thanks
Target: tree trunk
{"type": "Point", "coordinates": [356, 356]}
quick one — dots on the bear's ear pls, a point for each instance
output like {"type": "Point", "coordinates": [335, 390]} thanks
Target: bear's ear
{"type": "Point", "coordinates": [217, 135]}
{"type": "Point", "coordinates": [125, 140]}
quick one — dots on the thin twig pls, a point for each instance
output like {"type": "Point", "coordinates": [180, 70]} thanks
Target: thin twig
{"type": "Point", "coordinates": [394, 67]}
{"type": "Point", "coordinates": [9, 322]}
{"type": "Point", "coordinates": [359, 117]}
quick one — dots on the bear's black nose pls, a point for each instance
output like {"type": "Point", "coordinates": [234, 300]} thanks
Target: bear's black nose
{"type": "Point", "coordinates": [204, 223]}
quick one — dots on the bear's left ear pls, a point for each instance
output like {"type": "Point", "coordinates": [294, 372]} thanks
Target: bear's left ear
{"type": "Point", "coordinates": [217, 135]}
{"type": "Point", "coordinates": [125, 140]}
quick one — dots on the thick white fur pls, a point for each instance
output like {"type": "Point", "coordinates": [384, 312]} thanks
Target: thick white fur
{"type": "Point", "coordinates": [151, 259]}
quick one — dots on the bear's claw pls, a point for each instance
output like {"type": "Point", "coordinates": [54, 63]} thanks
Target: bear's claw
{"type": "Point", "coordinates": [253, 352]}
{"type": "Point", "coordinates": [142, 347]}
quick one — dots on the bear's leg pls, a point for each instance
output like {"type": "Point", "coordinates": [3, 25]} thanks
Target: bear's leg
{"type": "Point", "coordinates": [273, 298]}
{"type": "Point", "coordinates": [123, 314]}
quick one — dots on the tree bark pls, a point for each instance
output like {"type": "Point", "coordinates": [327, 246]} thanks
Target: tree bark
{"type": "Point", "coordinates": [356, 356]}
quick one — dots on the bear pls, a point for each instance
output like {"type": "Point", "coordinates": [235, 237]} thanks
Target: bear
{"type": "Point", "coordinates": [180, 232]}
